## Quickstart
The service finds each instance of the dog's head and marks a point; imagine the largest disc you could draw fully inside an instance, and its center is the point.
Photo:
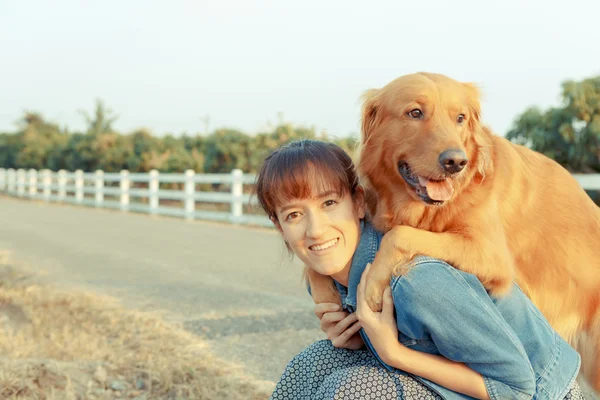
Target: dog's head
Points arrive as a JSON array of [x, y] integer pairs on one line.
[[423, 132]]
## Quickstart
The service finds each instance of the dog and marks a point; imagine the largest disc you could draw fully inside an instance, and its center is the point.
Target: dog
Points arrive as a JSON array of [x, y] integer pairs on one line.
[[446, 187]]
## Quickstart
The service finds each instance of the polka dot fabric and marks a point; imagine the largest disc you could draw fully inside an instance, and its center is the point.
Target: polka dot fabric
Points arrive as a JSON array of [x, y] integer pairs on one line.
[[323, 372], [575, 393]]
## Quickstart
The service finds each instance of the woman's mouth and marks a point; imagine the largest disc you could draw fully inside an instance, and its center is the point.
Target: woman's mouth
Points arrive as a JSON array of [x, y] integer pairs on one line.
[[324, 246]]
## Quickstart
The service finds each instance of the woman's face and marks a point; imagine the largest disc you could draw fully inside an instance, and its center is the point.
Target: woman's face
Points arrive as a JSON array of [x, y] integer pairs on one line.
[[323, 230]]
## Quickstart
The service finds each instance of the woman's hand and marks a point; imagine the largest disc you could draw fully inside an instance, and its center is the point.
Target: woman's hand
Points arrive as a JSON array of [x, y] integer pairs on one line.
[[341, 328], [380, 327]]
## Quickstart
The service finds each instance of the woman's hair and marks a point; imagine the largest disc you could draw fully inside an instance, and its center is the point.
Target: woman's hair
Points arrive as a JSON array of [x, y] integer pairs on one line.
[[303, 168]]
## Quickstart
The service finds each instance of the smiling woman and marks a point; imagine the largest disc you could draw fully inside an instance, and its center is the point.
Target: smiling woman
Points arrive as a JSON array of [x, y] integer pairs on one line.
[[311, 194], [309, 189]]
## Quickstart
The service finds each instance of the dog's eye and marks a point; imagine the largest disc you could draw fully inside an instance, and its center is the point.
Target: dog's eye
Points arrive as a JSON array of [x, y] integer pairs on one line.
[[461, 118], [416, 113]]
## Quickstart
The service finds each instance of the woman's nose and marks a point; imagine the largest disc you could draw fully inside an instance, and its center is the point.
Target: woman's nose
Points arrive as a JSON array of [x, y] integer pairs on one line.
[[316, 226]]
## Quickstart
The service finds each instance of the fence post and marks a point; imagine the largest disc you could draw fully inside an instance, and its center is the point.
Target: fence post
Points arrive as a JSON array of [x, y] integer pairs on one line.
[[124, 184], [79, 186], [236, 194], [153, 191], [99, 185], [62, 185], [2, 179], [12, 181], [190, 193], [46, 183], [20, 182], [32, 183]]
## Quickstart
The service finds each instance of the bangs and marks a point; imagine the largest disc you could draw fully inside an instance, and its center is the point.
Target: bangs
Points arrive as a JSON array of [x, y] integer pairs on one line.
[[305, 172], [303, 182]]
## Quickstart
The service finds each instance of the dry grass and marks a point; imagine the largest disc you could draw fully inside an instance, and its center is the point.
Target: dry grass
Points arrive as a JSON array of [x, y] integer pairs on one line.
[[69, 345]]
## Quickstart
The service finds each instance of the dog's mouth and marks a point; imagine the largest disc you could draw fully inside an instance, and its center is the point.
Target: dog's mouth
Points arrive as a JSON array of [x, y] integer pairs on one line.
[[430, 190]]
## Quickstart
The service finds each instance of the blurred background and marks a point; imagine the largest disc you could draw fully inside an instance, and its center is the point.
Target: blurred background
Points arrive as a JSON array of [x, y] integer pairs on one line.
[[211, 87]]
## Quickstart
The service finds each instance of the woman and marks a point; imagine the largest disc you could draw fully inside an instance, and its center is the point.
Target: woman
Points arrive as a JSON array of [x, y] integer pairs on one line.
[[447, 337]]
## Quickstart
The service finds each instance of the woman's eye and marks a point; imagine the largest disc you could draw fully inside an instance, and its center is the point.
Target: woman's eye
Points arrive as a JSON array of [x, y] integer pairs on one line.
[[329, 203], [460, 119], [416, 113], [293, 215]]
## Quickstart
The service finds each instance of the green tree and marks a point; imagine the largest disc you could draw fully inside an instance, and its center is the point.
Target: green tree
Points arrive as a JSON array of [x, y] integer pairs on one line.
[[265, 143], [10, 145], [227, 149], [40, 144], [79, 153], [147, 152], [37, 138], [113, 151], [569, 134], [101, 121]]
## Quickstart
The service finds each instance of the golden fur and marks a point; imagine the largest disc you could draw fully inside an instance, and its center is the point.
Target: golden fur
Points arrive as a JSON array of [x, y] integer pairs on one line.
[[514, 213]]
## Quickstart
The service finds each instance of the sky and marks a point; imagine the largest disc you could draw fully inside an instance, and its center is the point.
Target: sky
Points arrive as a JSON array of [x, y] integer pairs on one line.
[[166, 65]]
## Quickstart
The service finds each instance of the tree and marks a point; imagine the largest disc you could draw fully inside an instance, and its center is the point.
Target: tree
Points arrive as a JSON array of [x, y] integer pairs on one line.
[[10, 145], [79, 153], [40, 144], [582, 103], [37, 138], [102, 120], [112, 151], [227, 149], [569, 134], [147, 152]]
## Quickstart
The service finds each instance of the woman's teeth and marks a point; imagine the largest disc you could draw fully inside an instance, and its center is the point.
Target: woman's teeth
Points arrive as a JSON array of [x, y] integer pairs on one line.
[[325, 245]]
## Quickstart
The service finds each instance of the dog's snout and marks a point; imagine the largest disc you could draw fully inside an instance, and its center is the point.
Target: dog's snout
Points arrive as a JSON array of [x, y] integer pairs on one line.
[[453, 161]]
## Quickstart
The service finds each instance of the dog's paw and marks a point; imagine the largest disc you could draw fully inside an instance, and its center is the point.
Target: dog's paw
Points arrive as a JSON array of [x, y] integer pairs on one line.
[[374, 293], [499, 287]]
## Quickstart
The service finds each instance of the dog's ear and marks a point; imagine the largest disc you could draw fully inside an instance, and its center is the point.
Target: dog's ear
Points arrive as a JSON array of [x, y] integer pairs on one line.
[[371, 200], [369, 113], [481, 135], [474, 96]]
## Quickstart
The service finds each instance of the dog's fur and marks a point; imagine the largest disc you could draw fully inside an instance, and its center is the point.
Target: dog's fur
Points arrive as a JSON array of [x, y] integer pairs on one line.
[[514, 213]]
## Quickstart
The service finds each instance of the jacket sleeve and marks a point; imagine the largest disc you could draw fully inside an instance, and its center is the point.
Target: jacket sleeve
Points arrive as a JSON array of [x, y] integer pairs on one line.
[[437, 302]]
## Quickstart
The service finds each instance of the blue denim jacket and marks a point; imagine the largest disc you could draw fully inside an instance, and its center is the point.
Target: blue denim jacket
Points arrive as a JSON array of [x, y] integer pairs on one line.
[[441, 310]]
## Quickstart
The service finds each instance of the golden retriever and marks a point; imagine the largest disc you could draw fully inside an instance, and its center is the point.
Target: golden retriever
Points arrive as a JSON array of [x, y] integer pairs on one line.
[[448, 188]]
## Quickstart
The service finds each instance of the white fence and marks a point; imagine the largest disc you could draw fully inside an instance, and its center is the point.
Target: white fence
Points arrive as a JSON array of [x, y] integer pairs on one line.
[[72, 187], [90, 189]]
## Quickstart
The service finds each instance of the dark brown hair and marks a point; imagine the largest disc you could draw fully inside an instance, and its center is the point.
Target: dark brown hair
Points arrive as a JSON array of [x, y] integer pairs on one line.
[[290, 172]]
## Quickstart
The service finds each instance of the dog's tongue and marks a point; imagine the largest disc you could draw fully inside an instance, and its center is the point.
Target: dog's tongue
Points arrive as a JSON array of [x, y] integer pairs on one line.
[[440, 191]]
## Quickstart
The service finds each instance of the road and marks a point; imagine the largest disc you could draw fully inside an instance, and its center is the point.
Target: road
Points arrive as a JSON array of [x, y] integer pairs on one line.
[[233, 286]]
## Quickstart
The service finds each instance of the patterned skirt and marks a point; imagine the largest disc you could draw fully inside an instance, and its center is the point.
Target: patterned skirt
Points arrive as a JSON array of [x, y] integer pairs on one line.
[[323, 372]]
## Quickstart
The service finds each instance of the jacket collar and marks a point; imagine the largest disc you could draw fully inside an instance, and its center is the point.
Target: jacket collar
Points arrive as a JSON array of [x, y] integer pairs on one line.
[[365, 253]]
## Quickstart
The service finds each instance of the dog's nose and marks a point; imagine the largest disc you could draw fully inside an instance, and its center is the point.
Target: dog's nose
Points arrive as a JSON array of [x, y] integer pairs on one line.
[[453, 161]]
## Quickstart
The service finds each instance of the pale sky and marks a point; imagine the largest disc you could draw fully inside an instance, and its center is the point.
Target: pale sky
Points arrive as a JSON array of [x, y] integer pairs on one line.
[[164, 65]]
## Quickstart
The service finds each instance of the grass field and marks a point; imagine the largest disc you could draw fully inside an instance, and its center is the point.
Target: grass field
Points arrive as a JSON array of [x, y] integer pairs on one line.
[[56, 344]]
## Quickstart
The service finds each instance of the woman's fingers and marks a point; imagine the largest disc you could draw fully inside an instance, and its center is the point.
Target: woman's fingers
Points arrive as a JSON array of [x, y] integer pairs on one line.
[[343, 339], [334, 316], [330, 319], [362, 309], [388, 304], [323, 308], [346, 322], [351, 331]]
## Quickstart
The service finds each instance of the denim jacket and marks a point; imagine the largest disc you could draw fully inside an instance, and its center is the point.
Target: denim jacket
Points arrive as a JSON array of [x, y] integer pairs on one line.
[[441, 310]]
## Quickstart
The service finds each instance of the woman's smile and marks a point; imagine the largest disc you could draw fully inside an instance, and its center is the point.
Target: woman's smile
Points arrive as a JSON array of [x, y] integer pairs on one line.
[[321, 248]]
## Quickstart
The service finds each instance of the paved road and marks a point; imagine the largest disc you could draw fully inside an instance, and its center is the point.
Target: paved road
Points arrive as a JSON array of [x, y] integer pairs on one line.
[[234, 286]]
